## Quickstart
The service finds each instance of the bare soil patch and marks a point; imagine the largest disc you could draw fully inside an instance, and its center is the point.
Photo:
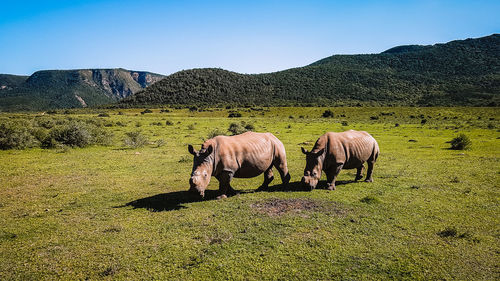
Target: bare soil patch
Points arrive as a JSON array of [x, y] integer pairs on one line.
[[301, 206]]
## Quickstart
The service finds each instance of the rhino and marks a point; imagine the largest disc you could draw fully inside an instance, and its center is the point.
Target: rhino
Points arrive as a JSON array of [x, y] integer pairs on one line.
[[242, 156], [333, 152]]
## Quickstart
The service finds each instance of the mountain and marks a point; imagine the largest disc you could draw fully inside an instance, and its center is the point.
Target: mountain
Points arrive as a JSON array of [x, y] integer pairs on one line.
[[50, 89], [461, 72]]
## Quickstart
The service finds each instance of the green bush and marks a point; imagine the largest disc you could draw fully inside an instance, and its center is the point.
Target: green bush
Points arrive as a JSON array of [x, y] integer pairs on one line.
[[461, 142], [76, 134], [236, 129], [15, 136], [135, 139], [328, 113], [46, 123], [249, 127], [215, 132], [234, 115], [72, 135]]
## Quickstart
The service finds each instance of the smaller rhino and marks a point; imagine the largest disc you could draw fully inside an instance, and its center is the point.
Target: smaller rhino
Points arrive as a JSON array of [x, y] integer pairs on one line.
[[242, 156], [333, 152]]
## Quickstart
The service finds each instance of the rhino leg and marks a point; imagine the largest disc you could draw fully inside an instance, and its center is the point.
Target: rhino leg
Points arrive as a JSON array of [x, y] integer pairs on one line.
[[331, 176], [359, 174], [280, 165], [225, 188], [268, 177], [370, 171]]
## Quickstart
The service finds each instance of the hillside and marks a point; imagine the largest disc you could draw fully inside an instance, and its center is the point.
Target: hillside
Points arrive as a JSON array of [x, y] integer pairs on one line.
[[49, 89], [462, 72]]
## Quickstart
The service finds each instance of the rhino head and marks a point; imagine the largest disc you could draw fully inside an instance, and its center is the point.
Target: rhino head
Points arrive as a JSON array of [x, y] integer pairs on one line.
[[314, 165], [203, 164]]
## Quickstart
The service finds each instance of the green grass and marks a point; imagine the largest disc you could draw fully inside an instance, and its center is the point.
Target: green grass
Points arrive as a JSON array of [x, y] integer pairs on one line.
[[120, 213]]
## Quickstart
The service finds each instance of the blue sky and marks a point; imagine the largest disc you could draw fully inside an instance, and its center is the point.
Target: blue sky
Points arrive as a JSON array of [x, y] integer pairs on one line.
[[243, 36]]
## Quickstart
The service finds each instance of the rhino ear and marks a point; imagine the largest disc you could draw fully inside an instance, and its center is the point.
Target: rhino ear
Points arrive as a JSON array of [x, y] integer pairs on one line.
[[304, 150], [209, 150], [191, 150]]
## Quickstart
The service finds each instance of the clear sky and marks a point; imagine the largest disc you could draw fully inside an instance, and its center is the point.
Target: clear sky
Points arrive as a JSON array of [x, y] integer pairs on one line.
[[242, 36]]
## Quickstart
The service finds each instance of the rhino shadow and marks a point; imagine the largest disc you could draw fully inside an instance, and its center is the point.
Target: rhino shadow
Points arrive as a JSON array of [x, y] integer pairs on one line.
[[170, 201], [175, 200], [297, 186]]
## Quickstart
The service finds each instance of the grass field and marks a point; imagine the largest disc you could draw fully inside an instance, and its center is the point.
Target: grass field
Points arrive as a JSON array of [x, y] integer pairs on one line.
[[112, 212]]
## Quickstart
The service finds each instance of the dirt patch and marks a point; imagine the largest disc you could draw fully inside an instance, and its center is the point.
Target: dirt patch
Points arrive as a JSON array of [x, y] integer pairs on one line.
[[301, 206]]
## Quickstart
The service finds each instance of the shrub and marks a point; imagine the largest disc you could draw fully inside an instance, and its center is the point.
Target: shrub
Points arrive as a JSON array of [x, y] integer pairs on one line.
[[234, 115], [423, 121], [249, 127], [103, 115], [73, 134], [215, 132], [193, 108], [15, 136], [40, 133], [169, 123], [146, 111], [461, 142], [374, 117], [46, 123], [76, 134], [344, 123], [135, 139], [190, 127], [328, 113], [236, 129]]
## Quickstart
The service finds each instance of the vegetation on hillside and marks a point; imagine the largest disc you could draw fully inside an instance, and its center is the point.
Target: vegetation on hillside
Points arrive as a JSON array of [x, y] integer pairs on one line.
[[465, 72], [52, 89]]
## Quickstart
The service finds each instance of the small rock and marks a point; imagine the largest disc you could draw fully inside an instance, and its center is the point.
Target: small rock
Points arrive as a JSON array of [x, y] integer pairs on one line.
[[137, 153]]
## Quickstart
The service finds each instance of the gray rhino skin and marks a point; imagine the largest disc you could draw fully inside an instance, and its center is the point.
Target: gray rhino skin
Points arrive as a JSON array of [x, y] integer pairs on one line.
[[242, 156], [333, 152]]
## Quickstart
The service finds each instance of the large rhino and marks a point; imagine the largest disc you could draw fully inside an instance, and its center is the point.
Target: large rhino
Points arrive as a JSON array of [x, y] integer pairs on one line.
[[242, 156], [333, 152]]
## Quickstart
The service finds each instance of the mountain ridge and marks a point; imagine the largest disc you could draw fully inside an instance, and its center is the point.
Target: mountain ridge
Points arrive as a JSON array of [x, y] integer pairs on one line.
[[52, 89], [460, 72]]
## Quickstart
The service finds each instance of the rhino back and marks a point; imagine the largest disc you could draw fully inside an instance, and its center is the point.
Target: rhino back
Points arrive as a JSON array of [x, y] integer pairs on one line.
[[352, 148], [246, 155]]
